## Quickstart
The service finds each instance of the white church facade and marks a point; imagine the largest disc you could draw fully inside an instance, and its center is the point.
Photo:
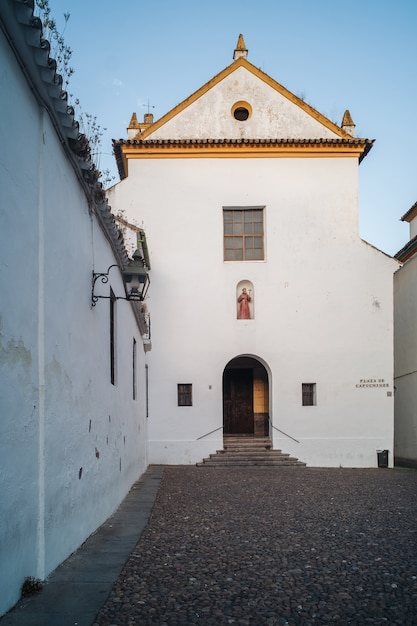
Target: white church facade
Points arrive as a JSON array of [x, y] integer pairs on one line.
[[269, 314]]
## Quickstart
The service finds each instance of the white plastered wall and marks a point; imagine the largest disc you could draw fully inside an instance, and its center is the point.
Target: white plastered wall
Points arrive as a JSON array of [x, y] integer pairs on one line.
[[413, 228], [323, 302], [405, 342], [71, 443]]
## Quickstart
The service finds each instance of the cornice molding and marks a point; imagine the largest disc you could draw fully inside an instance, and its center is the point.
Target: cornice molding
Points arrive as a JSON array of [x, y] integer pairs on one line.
[[237, 148]]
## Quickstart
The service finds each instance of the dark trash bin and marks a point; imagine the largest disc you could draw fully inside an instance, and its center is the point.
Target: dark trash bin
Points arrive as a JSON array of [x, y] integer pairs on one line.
[[382, 458]]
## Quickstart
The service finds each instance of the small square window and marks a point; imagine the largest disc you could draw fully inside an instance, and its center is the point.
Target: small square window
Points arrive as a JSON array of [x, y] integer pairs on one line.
[[309, 394], [185, 394]]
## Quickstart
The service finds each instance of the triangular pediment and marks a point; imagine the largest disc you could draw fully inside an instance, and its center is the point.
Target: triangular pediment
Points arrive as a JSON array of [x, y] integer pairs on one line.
[[272, 111]]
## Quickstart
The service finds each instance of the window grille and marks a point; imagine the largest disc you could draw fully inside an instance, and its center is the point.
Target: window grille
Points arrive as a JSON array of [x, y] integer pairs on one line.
[[309, 394], [185, 397], [243, 234]]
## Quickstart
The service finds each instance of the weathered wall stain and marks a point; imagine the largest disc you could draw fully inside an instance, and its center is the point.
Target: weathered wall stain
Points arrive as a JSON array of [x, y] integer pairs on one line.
[[14, 353]]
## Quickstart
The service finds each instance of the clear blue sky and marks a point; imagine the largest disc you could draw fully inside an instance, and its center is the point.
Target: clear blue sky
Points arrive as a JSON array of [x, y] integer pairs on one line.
[[359, 55]]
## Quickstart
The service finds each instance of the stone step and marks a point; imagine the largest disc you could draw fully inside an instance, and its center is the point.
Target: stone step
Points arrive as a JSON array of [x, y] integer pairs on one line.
[[247, 449], [243, 437], [261, 454], [252, 457], [247, 442], [239, 457], [250, 463]]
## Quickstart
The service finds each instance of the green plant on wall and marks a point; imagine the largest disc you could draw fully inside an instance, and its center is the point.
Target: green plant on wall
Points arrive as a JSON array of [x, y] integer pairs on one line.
[[91, 132]]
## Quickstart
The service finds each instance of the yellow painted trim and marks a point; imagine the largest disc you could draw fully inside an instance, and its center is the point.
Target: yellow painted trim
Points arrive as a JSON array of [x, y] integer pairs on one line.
[[262, 76], [242, 104], [196, 151]]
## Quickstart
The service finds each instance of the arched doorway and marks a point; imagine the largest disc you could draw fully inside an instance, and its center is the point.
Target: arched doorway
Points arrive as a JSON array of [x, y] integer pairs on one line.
[[245, 397]]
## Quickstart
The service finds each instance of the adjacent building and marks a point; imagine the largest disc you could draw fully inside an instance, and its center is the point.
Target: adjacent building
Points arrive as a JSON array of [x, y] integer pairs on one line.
[[405, 347]]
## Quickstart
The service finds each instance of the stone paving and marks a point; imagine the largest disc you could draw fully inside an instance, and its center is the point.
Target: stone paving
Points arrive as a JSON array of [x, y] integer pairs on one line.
[[255, 547]]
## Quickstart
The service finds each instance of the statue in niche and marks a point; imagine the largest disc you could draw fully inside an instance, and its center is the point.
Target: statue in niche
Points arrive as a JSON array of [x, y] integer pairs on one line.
[[243, 310]]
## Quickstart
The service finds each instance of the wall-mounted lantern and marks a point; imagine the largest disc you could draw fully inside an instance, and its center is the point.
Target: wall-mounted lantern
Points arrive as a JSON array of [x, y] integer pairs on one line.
[[135, 278]]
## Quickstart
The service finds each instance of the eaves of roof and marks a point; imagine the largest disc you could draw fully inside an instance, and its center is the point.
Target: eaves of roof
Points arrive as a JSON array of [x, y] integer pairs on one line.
[[410, 214], [124, 149], [24, 33], [409, 250]]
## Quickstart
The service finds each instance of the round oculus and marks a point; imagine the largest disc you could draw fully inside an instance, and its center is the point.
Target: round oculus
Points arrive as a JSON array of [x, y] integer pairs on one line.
[[241, 111]]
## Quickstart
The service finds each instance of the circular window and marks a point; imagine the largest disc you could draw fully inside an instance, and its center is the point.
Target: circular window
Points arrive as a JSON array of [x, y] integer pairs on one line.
[[241, 111], [241, 114]]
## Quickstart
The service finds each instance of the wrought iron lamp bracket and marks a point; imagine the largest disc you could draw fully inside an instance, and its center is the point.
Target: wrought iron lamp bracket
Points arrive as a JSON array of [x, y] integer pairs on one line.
[[104, 278], [135, 280]]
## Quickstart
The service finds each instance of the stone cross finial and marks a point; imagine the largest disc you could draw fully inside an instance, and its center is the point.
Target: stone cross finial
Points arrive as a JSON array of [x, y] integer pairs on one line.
[[133, 121], [241, 51], [347, 123]]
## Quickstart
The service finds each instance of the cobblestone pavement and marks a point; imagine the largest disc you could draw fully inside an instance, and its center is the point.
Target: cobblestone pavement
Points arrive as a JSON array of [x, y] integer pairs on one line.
[[255, 547]]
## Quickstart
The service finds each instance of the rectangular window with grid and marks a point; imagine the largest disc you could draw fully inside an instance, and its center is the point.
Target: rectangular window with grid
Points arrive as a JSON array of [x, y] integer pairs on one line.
[[243, 229], [309, 394], [185, 396]]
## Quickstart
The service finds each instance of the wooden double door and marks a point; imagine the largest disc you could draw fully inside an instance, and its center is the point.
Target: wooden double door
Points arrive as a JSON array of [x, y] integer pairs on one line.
[[238, 411]]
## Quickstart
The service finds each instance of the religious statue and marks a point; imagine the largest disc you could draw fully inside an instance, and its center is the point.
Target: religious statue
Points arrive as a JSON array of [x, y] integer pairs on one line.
[[243, 312]]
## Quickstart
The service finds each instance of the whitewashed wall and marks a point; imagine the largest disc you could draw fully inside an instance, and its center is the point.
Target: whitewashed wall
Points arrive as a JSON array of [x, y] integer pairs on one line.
[[413, 228], [323, 303], [405, 342], [59, 412]]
